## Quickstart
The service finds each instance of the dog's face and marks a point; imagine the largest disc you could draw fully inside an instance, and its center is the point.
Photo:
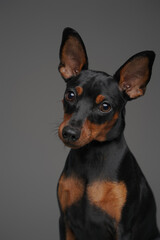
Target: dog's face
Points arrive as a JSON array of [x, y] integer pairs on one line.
[[94, 101]]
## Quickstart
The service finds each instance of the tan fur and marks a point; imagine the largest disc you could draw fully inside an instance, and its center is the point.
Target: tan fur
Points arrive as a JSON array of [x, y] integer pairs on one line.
[[109, 196], [69, 234], [79, 90], [90, 131], [99, 99], [70, 191]]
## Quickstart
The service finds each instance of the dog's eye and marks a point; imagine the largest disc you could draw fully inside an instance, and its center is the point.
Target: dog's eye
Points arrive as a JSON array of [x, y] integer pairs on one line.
[[70, 96], [105, 107]]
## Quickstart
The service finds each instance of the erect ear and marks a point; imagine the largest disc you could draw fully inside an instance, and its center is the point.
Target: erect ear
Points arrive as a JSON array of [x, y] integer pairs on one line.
[[134, 75], [73, 56]]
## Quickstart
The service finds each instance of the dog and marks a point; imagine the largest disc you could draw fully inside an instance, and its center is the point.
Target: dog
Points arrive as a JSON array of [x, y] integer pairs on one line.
[[102, 192]]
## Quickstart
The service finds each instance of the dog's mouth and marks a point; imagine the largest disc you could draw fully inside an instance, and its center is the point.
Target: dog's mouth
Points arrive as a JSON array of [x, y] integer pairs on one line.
[[78, 137]]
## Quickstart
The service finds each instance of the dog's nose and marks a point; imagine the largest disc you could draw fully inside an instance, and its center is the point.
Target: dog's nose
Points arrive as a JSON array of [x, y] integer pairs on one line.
[[70, 134]]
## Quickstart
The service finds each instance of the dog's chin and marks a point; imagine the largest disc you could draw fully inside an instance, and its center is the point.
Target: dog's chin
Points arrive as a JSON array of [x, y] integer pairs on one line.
[[74, 145], [70, 145]]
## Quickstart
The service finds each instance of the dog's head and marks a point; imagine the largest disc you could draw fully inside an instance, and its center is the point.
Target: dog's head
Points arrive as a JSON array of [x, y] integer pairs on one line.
[[94, 101]]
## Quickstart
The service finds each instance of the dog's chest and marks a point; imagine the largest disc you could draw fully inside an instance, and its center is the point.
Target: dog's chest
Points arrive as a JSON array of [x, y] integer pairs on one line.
[[108, 196]]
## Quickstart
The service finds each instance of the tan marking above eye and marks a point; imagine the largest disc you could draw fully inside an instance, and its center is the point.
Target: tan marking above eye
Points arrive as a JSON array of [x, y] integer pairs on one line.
[[70, 191], [109, 196], [100, 99], [79, 90]]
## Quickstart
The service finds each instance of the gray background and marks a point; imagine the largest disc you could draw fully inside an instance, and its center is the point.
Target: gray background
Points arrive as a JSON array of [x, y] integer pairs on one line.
[[31, 89]]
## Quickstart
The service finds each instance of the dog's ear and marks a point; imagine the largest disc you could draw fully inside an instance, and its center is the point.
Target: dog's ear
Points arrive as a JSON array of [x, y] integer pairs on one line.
[[134, 75], [73, 56]]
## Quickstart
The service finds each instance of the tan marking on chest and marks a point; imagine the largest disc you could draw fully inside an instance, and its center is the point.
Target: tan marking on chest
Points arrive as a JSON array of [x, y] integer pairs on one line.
[[69, 234], [109, 196], [70, 191]]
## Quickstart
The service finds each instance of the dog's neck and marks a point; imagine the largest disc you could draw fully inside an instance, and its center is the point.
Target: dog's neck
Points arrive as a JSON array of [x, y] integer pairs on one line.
[[98, 156]]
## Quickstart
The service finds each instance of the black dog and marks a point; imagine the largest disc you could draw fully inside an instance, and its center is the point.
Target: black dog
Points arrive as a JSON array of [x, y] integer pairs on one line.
[[102, 192]]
